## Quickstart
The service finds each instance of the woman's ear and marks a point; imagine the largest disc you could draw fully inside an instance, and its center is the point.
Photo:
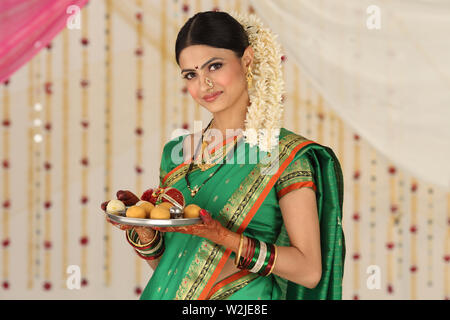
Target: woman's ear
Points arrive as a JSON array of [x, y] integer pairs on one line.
[[247, 57]]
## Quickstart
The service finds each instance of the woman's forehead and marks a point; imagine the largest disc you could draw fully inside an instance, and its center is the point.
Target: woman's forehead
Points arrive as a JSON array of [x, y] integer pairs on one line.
[[196, 55]]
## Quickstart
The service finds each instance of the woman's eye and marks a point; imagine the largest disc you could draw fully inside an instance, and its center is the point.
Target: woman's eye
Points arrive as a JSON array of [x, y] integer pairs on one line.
[[216, 66], [213, 67], [189, 76]]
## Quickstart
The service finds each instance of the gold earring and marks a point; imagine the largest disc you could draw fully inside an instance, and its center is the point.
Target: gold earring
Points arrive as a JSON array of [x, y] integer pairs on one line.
[[249, 77]]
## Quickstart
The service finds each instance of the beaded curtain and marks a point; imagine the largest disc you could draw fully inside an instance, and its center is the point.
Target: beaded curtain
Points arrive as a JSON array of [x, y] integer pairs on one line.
[[89, 115]]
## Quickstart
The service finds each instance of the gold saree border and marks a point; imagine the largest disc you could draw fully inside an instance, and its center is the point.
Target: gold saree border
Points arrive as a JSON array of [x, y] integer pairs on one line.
[[239, 210], [231, 284]]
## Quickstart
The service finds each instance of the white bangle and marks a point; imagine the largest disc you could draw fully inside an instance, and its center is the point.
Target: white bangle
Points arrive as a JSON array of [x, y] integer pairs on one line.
[[261, 257]]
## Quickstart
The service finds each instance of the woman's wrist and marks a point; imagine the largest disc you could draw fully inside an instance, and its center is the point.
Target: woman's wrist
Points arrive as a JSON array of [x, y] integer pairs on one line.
[[228, 239], [145, 234]]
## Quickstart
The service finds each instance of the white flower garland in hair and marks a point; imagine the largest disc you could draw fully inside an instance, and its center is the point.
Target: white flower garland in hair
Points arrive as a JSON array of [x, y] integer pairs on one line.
[[263, 121]]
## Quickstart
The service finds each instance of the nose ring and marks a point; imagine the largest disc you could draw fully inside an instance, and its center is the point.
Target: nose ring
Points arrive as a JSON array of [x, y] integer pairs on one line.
[[209, 83]]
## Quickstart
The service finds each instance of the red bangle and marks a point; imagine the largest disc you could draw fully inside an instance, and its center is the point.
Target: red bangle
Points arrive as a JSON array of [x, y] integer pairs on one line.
[[151, 257], [251, 253]]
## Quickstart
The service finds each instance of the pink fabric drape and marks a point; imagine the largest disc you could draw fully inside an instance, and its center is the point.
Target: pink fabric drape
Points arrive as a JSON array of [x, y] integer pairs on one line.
[[27, 26]]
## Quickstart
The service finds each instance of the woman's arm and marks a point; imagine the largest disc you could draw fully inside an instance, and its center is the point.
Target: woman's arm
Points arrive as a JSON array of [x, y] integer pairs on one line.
[[301, 262]]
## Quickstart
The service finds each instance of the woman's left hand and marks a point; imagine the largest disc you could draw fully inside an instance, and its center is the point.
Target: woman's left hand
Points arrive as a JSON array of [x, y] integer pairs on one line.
[[209, 228]]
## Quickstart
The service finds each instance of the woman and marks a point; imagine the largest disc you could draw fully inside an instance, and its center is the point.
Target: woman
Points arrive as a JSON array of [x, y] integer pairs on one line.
[[274, 235]]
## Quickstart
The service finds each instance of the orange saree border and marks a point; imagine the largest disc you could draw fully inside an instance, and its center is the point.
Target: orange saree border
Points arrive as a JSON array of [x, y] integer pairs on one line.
[[205, 293], [296, 185], [235, 276]]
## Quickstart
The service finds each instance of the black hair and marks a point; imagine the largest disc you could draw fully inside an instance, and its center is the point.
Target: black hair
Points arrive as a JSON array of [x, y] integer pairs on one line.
[[215, 29]]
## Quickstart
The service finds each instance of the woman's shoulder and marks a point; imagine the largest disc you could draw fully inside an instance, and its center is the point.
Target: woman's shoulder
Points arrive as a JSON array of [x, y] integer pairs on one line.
[[287, 135]]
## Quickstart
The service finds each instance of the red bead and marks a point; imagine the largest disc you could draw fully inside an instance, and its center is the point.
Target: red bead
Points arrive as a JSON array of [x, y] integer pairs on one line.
[[139, 94], [47, 286], [6, 243], [6, 204], [251, 10], [356, 137], [283, 58], [321, 116], [84, 83], [84, 41], [390, 288], [138, 16], [85, 124], [6, 123], [394, 208], [5, 285], [85, 162], [413, 229], [356, 256], [49, 46], [139, 170], [216, 9], [6, 82], [47, 165], [392, 170], [47, 244], [447, 258], [138, 291], [356, 175], [84, 199], [185, 126], [185, 8], [356, 216], [84, 241], [355, 297], [139, 131], [47, 204], [48, 88], [139, 52], [5, 164], [414, 187], [84, 282], [390, 245], [413, 269], [48, 126]]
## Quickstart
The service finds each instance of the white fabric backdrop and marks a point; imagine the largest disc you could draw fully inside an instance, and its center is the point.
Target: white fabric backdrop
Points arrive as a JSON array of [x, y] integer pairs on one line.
[[392, 84]]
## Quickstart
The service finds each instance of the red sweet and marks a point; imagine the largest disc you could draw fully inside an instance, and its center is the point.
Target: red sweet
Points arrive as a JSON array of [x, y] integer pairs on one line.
[[172, 195], [148, 196], [127, 197]]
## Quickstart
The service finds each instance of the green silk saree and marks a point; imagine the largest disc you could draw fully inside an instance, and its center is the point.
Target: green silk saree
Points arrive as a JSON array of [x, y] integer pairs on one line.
[[243, 196]]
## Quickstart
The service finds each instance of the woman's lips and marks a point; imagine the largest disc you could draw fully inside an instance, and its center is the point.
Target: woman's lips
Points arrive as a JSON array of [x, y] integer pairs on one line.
[[212, 97]]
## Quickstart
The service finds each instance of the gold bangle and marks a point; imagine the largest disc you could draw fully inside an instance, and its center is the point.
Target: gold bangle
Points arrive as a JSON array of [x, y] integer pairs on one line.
[[274, 260], [238, 256], [138, 245]]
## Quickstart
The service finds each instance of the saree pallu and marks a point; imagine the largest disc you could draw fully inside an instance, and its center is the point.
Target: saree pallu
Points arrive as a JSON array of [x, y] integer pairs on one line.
[[243, 196]]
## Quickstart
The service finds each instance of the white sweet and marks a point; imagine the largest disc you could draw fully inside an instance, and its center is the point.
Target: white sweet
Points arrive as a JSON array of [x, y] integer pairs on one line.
[[114, 206]]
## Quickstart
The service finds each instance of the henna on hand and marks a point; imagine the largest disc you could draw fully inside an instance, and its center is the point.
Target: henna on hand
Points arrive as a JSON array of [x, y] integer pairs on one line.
[[210, 229]]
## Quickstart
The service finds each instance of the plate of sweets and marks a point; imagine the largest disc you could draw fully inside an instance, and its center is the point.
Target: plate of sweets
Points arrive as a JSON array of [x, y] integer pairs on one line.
[[160, 207]]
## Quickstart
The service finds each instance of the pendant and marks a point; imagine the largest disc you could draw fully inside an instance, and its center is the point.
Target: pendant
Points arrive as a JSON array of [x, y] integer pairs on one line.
[[194, 192]]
